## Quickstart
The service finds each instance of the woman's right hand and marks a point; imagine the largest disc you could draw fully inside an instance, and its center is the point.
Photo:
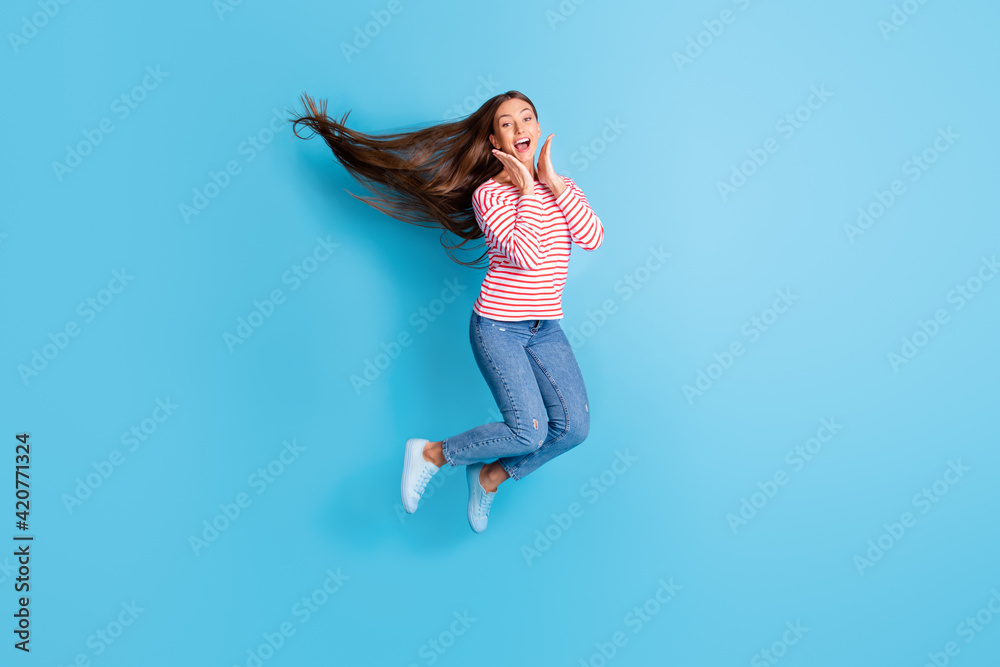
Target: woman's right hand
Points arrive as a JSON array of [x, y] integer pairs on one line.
[[517, 172]]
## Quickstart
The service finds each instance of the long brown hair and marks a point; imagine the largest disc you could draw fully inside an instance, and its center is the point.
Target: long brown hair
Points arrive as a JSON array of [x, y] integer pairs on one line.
[[425, 175]]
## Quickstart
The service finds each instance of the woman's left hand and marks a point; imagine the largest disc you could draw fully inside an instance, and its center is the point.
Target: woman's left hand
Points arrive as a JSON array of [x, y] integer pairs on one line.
[[546, 174]]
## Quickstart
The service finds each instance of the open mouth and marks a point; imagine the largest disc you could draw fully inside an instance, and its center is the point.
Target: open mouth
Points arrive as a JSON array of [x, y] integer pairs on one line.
[[522, 145]]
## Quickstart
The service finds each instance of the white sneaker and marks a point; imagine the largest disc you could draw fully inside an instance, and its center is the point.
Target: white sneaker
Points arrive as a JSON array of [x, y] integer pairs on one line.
[[417, 471], [479, 500]]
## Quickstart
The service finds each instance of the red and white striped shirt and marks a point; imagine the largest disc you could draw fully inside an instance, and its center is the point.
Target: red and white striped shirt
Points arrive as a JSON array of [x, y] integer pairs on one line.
[[529, 240]]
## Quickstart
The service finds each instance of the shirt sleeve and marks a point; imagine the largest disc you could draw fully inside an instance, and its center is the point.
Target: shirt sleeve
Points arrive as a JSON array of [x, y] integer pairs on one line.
[[512, 227], [585, 227]]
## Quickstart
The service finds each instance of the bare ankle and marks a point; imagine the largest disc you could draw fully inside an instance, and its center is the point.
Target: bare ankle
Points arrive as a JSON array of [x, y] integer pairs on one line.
[[433, 453], [491, 476]]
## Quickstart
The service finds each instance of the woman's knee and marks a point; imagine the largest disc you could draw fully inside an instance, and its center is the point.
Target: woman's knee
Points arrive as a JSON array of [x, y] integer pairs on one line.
[[579, 424], [530, 434]]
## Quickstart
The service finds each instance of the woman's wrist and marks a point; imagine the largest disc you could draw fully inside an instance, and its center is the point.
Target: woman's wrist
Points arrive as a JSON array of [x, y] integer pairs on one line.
[[557, 185]]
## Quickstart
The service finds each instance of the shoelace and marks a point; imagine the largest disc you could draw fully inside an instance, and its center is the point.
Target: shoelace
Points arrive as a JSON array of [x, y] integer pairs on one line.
[[425, 476], [484, 504]]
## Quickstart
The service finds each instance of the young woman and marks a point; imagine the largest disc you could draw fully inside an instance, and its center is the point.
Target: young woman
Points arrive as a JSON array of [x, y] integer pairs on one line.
[[476, 177]]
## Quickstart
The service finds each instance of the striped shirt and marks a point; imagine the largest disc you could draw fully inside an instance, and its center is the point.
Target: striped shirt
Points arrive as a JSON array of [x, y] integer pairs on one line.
[[529, 240]]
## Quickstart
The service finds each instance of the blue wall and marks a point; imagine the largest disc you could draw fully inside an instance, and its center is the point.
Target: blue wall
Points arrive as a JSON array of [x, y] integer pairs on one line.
[[788, 337]]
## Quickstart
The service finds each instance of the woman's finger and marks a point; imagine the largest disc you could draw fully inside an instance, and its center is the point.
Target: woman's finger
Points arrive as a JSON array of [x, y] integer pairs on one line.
[[544, 155], [545, 146], [507, 160], [503, 157], [518, 173]]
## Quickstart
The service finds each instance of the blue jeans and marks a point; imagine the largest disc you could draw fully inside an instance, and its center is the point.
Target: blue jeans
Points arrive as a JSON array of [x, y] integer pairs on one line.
[[536, 381]]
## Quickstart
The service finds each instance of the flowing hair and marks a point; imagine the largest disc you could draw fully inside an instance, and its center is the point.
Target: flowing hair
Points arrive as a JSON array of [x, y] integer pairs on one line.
[[425, 175]]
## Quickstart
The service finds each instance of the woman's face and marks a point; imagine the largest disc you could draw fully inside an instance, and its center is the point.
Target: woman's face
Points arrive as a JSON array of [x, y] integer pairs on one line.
[[516, 131]]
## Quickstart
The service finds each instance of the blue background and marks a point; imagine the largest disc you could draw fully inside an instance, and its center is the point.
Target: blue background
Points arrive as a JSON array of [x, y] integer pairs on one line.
[[648, 137]]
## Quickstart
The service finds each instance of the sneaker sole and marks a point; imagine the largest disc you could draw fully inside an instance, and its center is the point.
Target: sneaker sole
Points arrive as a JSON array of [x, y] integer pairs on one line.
[[407, 458], [471, 504]]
